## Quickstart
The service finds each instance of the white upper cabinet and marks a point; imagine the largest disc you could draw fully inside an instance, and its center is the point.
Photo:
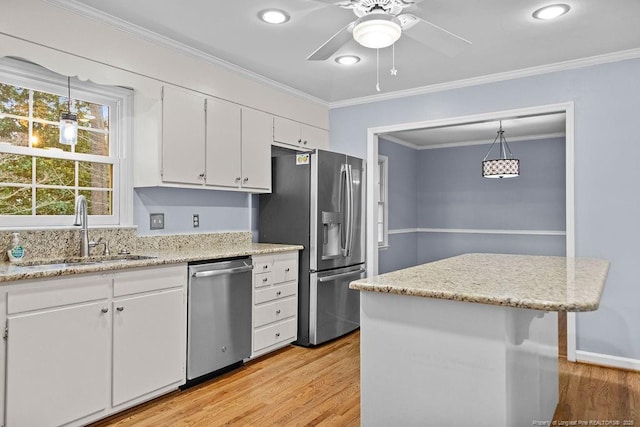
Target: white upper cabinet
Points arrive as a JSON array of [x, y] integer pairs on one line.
[[256, 150], [183, 136], [212, 143], [223, 144], [290, 132], [238, 147]]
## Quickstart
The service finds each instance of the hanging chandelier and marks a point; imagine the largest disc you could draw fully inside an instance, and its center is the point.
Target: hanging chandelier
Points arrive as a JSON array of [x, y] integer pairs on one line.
[[504, 166]]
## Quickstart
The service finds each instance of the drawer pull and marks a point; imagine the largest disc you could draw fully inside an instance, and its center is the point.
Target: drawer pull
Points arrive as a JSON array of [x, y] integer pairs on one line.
[[264, 280], [120, 308], [265, 266], [277, 311], [105, 310], [278, 293], [286, 270], [277, 334]]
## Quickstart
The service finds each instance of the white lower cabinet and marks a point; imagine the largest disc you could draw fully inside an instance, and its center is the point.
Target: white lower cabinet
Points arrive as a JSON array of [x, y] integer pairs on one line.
[[83, 347], [275, 302]]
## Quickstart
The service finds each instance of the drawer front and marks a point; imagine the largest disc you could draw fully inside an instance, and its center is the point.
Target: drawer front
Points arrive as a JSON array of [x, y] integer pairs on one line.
[[274, 334], [274, 311], [146, 279], [262, 279], [262, 264], [59, 291], [275, 292], [285, 269]]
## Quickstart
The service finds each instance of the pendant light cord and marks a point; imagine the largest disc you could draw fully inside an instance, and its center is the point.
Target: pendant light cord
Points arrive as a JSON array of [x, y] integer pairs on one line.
[[378, 70], [69, 94]]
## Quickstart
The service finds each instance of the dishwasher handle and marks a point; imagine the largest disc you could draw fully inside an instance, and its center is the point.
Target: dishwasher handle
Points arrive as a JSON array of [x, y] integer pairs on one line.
[[210, 273]]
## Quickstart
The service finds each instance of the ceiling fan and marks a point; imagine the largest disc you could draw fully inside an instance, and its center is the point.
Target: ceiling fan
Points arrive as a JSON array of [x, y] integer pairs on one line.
[[380, 23]]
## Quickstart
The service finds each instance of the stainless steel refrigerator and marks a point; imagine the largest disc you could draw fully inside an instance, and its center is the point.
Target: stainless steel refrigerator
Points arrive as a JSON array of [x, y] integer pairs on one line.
[[317, 201]]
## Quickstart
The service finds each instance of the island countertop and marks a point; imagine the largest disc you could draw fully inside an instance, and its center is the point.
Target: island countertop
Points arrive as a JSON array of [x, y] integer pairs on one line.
[[535, 282]]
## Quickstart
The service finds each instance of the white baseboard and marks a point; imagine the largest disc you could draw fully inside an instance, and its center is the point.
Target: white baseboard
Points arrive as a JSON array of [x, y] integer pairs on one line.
[[608, 360]]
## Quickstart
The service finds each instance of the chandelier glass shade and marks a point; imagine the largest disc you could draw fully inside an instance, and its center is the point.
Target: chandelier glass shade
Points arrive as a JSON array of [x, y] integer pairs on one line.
[[504, 166], [68, 122], [377, 30]]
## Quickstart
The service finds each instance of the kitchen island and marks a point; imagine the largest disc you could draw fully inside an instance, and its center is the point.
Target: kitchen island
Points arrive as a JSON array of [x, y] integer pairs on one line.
[[469, 340]]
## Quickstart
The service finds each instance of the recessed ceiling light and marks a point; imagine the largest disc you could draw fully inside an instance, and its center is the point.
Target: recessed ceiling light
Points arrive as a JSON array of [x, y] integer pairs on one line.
[[551, 11], [274, 16], [347, 59]]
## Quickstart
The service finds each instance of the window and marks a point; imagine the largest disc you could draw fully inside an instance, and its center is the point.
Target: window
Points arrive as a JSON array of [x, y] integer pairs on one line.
[[40, 178], [382, 176]]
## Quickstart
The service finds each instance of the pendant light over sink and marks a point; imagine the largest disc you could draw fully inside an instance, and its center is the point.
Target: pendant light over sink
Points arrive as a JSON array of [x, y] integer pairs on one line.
[[504, 166], [68, 122]]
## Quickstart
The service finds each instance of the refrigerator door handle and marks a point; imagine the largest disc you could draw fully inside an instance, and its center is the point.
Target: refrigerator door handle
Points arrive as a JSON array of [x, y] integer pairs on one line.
[[341, 275], [344, 202], [349, 212]]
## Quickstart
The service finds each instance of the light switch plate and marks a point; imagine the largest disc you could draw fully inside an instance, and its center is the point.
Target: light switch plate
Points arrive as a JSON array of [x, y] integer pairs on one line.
[[156, 221]]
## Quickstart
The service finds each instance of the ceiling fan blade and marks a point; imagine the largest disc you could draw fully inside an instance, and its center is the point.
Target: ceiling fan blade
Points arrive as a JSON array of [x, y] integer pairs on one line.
[[341, 3], [432, 35], [330, 47]]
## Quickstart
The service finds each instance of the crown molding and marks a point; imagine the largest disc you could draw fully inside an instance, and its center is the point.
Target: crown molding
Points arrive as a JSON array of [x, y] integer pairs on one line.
[[468, 143], [120, 24], [492, 78]]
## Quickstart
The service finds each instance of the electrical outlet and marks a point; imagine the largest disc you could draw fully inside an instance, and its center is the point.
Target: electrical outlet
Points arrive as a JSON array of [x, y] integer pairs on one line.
[[196, 220], [156, 221]]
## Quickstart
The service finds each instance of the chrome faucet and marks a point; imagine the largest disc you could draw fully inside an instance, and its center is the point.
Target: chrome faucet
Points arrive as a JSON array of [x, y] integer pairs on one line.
[[81, 220]]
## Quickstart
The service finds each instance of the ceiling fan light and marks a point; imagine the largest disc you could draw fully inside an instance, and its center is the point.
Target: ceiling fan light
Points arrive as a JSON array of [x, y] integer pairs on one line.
[[377, 31], [551, 11], [273, 16]]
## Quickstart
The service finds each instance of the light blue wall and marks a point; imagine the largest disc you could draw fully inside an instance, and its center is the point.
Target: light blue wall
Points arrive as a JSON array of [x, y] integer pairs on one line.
[[402, 170], [453, 194], [607, 176], [218, 210]]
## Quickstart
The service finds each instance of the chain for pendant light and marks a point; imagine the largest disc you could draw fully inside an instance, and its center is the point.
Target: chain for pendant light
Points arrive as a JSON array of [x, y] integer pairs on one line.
[[394, 70], [378, 70]]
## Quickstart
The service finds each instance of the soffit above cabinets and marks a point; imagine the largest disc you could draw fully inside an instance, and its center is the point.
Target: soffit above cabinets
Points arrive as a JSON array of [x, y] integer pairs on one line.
[[505, 37]]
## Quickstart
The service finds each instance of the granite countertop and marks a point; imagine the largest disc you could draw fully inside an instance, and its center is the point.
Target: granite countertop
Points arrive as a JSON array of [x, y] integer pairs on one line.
[[33, 270], [534, 282]]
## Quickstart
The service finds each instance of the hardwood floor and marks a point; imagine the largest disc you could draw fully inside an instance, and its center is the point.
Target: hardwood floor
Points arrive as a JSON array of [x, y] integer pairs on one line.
[[295, 386], [320, 386]]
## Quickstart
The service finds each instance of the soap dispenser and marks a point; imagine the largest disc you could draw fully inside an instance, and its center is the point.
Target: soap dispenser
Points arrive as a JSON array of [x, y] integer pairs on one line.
[[16, 251]]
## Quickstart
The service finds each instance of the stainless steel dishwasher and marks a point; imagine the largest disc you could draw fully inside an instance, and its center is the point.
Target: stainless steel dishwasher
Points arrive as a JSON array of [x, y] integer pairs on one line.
[[219, 316]]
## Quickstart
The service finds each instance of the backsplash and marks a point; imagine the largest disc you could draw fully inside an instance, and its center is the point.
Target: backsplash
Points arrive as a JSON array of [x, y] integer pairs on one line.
[[51, 243]]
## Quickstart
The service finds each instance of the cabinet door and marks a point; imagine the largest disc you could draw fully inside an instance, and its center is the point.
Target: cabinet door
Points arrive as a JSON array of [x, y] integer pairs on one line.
[[183, 137], [256, 149], [57, 364], [313, 137], [223, 144], [286, 131], [149, 343]]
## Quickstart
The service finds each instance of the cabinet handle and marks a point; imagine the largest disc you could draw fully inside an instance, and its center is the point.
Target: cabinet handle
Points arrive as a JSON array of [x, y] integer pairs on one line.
[[277, 334], [305, 142], [299, 140], [286, 270], [264, 280], [120, 308], [202, 175], [245, 180], [278, 293], [277, 311], [104, 310], [265, 266], [238, 179]]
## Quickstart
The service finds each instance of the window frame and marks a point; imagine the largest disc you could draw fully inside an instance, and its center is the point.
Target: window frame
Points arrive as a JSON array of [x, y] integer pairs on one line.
[[119, 100], [383, 183]]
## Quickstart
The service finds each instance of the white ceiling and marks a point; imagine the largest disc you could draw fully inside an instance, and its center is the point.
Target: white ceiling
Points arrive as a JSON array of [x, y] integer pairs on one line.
[[515, 129], [505, 38]]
